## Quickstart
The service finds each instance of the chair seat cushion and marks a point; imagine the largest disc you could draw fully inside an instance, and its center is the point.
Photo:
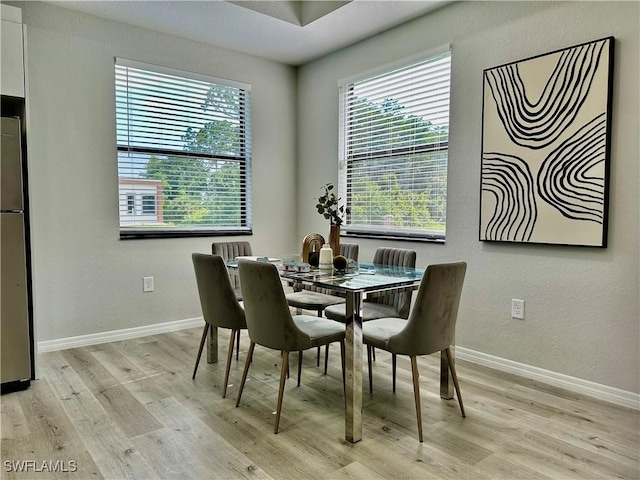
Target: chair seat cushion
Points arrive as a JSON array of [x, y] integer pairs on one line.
[[320, 330], [378, 332], [370, 311], [309, 300]]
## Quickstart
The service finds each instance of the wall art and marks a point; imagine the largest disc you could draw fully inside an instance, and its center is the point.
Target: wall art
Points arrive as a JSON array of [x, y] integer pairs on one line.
[[546, 136]]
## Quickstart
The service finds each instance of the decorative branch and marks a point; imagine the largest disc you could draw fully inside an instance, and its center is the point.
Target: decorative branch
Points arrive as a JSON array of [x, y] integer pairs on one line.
[[329, 206]]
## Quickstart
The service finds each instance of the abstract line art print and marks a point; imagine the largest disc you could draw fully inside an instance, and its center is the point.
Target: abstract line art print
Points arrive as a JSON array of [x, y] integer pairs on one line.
[[546, 140]]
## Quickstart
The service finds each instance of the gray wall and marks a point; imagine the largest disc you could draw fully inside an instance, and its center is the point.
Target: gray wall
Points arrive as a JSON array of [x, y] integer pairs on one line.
[[86, 279], [582, 311]]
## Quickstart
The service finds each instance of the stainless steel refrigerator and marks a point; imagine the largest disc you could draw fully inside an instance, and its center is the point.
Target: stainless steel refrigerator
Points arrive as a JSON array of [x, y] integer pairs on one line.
[[15, 322]]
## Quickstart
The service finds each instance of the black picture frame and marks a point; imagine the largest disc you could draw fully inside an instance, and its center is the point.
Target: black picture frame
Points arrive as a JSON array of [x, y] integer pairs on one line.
[[546, 147]]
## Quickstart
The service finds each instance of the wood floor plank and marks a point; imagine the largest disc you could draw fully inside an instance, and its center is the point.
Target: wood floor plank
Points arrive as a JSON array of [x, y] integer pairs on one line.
[[47, 420], [202, 446], [573, 407], [73, 394], [502, 465], [533, 415], [509, 444], [356, 470], [117, 401], [52, 441], [139, 357], [595, 463], [13, 423], [112, 451], [119, 366], [130, 409]]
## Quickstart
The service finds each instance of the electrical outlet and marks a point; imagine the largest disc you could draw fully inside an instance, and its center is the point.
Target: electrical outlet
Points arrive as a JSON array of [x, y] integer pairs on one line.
[[517, 309], [147, 284]]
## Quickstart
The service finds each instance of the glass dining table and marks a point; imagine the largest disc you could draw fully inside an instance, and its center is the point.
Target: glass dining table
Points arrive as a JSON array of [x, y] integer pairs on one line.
[[363, 280]]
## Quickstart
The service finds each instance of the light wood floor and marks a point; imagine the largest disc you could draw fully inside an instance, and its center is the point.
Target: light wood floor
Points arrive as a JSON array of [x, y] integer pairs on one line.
[[129, 409]]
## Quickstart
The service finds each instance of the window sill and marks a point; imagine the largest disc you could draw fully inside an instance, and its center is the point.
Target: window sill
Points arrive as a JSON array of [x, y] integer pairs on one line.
[[387, 236], [138, 235]]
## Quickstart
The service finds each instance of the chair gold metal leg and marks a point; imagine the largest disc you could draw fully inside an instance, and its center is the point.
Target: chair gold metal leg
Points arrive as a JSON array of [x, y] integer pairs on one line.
[[416, 393], [285, 367], [238, 346], [229, 358], [452, 367], [204, 339], [247, 363], [299, 366], [369, 348], [393, 367]]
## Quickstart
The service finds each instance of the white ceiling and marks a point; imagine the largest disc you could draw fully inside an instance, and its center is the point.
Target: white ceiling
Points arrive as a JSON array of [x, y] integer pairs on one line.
[[292, 32]]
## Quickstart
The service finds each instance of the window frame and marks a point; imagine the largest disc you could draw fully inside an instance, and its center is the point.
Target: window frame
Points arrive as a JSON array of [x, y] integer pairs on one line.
[[148, 203], [345, 161], [131, 204], [244, 161]]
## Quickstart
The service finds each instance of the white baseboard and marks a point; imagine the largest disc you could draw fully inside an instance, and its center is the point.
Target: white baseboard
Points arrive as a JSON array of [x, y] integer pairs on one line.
[[585, 387], [115, 335]]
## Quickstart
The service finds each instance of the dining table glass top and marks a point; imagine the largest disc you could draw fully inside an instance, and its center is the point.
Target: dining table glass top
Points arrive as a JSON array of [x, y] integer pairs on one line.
[[361, 277]]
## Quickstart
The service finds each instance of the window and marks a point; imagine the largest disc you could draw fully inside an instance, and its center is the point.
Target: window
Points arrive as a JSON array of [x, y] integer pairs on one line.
[[394, 131], [184, 153], [149, 204]]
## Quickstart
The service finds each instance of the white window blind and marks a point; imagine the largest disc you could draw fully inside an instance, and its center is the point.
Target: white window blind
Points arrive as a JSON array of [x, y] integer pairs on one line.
[[184, 152], [394, 133]]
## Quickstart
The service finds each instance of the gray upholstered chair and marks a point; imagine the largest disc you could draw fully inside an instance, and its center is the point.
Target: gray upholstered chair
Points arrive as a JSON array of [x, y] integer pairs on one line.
[[271, 324], [392, 305], [220, 307], [430, 328], [229, 251]]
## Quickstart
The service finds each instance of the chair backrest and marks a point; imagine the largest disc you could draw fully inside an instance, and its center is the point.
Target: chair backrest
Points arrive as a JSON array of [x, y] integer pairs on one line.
[[268, 316], [229, 251], [397, 257], [311, 243], [432, 324], [217, 299], [350, 251]]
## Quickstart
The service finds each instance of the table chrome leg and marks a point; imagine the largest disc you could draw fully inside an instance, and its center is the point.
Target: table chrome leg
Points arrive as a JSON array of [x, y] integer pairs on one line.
[[446, 382], [353, 414], [212, 345]]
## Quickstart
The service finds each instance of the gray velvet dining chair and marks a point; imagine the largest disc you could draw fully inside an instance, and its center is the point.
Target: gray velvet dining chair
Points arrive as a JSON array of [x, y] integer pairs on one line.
[[271, 325], [309, 297], [391, 305], [229, 251], [220, 307], [429, 329], [395, 304]]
